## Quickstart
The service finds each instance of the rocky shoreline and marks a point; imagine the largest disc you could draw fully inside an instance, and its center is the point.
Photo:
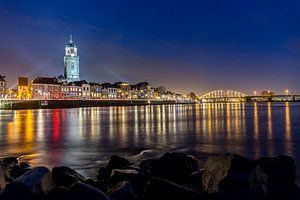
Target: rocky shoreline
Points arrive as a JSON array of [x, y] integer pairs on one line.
[[172, 176]]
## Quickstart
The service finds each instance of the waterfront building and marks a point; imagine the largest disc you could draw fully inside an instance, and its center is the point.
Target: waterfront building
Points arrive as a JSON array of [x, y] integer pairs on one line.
[[76, 90], [96, 89], [23, 88], [70, 91], [12, 93], [71, 62], [45, 88], [142, 90], [123, 90], [3, 86], [109, 91], [86, 90]]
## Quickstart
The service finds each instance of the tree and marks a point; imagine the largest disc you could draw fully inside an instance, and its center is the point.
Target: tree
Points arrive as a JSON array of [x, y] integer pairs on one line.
[[192, 96], [161, 90]]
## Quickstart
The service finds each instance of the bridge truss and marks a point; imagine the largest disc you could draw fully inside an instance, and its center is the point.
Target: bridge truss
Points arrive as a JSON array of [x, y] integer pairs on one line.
[[224, 96]]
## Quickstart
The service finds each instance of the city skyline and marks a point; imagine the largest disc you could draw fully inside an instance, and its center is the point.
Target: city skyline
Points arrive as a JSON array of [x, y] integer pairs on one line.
[[213, 46]]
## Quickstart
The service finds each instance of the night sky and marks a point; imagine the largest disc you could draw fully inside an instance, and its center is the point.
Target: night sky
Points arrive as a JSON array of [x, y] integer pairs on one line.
[[183, 45]]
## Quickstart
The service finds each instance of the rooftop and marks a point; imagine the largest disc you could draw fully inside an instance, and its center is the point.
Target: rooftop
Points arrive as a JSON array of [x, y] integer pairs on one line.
[[2, 78], [45, 80]]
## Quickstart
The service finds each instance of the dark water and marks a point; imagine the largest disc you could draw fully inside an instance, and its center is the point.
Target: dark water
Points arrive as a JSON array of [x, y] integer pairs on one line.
[[84, 138]]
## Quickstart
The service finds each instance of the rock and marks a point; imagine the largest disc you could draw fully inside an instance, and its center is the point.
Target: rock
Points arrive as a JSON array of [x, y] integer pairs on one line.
[[176, 167], [65, 176], [10, 161], [124, 190], [16, 171], [35, 184], [4, 175], [118, 175], [235, 177], [196, 179], [115, 162], [24, 165], [99, 184], [158, 188], [5, 170], [281, 172], [146, 166], [56, 193], [83, 191]]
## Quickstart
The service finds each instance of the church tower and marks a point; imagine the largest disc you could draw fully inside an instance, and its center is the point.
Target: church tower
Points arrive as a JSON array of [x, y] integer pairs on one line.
[[71, 62]]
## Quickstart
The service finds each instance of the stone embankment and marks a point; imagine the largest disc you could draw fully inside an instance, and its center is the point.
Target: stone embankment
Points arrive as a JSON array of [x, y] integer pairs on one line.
[[173, 176]]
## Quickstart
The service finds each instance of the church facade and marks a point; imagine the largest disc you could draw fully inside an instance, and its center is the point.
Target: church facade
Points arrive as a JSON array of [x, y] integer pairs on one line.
[[71, 62]]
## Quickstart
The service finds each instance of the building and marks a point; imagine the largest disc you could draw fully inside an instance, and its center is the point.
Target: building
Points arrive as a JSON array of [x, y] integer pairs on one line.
[[45, 88], [123, 90], [71, 62], [96, 89], [142, 90], [108, 91], [86, 90], [71, 91], [23, 88], [12, 93], [3, 86]]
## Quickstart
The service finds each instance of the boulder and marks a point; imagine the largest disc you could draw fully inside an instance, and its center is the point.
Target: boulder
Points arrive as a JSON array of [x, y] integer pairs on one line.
[[83, 191], [16, 171], [10, 161], [65, 176], [176, 167], [4, 175], [124, 190], [118, 175], [158, 188], [35, 184], [24, 165], [5, 170], [196, 179], [146, 166], [101, 185], [281, 172], [56, 193], [115, 162], [235, 177]]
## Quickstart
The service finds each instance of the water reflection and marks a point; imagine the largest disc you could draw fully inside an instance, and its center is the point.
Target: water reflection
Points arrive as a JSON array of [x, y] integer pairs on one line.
[[80, 137], [288, 135], [270, 130]]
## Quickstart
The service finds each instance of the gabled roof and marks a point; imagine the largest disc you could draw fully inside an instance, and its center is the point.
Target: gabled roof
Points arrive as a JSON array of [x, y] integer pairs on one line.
[[107, 85], [94, 84], [78, 83], [2, 78], [45, 80]]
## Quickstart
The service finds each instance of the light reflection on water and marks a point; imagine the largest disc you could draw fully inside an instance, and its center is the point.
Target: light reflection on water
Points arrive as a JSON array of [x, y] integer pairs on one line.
[[83, 137]]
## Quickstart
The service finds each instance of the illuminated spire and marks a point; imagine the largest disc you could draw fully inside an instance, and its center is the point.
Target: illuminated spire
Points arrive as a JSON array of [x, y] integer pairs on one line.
[[71, 40]]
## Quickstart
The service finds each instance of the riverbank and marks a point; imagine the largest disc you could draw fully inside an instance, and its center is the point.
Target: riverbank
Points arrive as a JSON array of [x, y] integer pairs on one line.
[[51, 104], [172, 176]]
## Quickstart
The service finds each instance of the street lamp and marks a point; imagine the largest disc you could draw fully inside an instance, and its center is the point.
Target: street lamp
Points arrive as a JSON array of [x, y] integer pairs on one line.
[[254, 93]]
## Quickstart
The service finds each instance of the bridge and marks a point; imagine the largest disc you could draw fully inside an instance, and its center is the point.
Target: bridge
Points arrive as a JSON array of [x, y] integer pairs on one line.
[[217, 96], [224, 96]]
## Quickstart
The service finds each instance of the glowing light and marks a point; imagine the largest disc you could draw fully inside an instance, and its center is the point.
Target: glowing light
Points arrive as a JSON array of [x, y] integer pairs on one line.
[[286, 91]]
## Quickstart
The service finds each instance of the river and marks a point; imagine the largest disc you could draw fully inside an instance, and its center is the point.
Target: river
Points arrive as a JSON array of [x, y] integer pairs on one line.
[[85, 138]]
